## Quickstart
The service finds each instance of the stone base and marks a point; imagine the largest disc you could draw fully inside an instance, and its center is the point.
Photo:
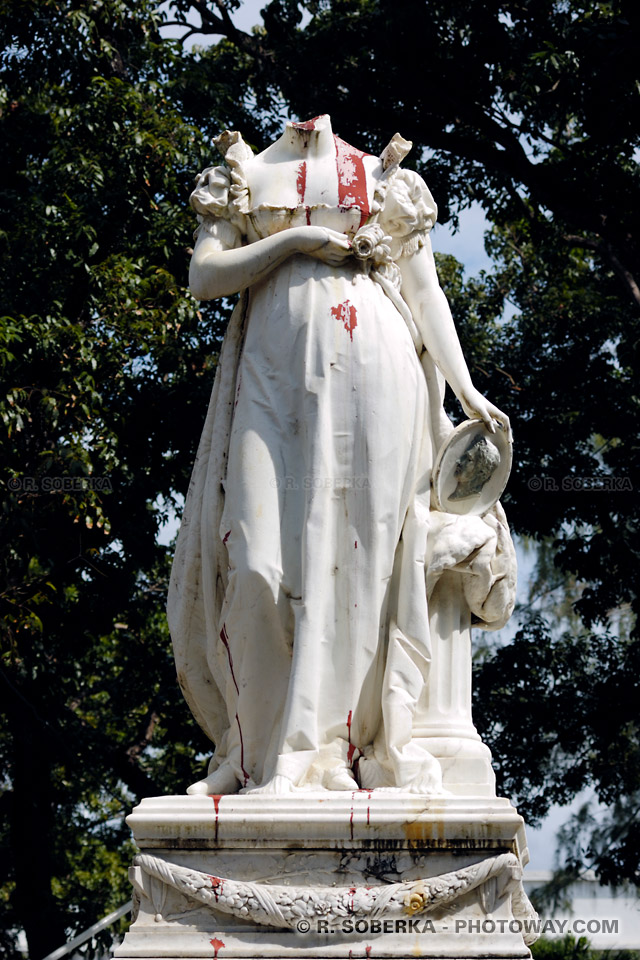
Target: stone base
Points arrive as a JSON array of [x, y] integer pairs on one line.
[[465, 763], [332, 875]]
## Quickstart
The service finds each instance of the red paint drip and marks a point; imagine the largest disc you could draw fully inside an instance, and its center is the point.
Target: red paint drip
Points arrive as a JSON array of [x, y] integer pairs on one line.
[[301, 186], [352, 179], [217, 945], [355, 546], [346, 314], [226, 536], [301, 180], [352, 892], [225, 639], [367, 950], [352, 749], [244, 772], [217, 885], [216, 806]]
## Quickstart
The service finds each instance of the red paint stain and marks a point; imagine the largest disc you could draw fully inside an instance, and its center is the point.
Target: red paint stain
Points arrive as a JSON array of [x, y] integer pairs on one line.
[[225, 639], [352, 893], [244, 772], [301, 180], [216, 806], [353, 793], [355, 546], [367, 950], [352, 179], [217, 945], [217, 885], [226, 536], [301, 186], [306, 124], [352, 748], [346, 314]]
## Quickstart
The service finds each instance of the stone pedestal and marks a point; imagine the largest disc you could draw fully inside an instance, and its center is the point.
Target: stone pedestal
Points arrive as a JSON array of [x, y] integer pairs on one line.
[[342, 875]]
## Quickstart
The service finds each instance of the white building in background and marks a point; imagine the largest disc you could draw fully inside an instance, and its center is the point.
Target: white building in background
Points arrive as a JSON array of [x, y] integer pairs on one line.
[[609, 920]]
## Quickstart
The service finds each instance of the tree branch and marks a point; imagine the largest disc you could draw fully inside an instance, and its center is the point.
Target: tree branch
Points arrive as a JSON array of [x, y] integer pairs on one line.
[[133, 752], [545, 187], [606, 252], [224, 26]]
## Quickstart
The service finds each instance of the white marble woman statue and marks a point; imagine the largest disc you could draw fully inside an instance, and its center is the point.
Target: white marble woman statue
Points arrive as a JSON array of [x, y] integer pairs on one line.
[[298, 607]]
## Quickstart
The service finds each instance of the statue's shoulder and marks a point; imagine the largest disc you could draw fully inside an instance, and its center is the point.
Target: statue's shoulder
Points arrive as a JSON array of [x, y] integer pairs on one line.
[[221, 191]]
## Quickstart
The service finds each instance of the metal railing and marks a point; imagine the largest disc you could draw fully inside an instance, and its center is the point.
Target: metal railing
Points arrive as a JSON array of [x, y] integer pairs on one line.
[[91, 932]]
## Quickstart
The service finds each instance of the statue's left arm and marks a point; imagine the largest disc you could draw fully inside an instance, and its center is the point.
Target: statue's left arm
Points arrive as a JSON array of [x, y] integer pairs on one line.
[[425, 298]]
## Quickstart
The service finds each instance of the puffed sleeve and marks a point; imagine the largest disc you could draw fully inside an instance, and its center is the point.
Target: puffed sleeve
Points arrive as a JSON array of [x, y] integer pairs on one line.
[[217, 212], [408, 214]]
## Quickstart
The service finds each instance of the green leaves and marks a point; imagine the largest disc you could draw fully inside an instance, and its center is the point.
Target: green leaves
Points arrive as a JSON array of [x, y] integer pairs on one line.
[[530, 109], [107, 362], [106, 366]]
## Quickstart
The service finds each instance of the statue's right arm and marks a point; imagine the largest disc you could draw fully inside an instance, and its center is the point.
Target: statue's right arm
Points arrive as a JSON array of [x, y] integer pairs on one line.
[[219, 273]]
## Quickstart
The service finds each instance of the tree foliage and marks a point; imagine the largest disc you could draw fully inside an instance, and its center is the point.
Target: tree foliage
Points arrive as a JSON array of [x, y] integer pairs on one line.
[[570, 948], [107, 365], [528, 107], [562, 715]]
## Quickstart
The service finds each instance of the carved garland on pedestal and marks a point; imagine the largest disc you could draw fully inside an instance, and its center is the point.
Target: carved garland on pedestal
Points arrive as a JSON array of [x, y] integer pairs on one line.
[[290, 906]]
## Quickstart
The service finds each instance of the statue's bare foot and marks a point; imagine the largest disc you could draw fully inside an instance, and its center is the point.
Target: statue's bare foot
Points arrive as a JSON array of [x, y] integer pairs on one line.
[[340, 778], [277, 785], [223, 780]]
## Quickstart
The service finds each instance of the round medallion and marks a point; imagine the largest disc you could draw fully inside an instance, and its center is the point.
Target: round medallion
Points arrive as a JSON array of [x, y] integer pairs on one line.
[[472, 468]]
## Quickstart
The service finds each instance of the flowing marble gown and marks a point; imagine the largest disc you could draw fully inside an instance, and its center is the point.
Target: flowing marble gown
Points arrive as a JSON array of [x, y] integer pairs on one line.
[[298, 606]]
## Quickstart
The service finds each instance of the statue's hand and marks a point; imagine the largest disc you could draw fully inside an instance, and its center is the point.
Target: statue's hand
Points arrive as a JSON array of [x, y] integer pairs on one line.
[[324, 244], [477, 407]]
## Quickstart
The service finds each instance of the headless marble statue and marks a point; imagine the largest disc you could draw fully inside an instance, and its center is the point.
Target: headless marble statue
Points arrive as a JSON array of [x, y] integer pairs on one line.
[[298, 606]]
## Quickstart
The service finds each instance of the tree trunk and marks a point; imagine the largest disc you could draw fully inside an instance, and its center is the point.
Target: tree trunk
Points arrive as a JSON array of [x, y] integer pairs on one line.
[[32, 817]]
